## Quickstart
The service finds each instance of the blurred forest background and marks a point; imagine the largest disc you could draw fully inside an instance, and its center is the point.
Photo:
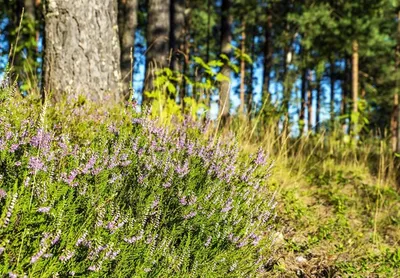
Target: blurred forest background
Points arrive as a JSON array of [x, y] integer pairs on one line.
[[311, 66]]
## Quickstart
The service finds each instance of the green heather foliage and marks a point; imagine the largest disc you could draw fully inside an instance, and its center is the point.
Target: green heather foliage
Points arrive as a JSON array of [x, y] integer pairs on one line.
[[106, 192]]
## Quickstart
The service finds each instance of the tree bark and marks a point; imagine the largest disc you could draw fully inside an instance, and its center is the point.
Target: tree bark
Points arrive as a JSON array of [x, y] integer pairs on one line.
[[242, 67], [303, 92], [309, 103], [354, 84], [395, 121], [177, 33], [226, 49], [127, 23], [250, 86], [345, 91], [82, 52], [332, 102], [318, 108], [157, 35], [268, 52], [208, 30]]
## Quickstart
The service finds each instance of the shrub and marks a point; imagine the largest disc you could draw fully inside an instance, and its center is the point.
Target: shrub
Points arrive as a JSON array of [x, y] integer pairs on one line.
[[86, 190]]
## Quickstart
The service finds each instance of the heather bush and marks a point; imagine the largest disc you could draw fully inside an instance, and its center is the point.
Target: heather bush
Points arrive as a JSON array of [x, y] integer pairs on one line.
[[104, 192]]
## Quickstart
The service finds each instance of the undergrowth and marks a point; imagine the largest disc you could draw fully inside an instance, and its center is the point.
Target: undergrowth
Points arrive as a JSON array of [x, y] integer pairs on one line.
[[106, 192]]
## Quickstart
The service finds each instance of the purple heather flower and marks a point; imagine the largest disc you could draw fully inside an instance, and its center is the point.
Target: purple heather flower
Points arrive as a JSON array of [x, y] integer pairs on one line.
[[67, 256], [10, 210], [12, 275], [82, 239], [167, 184], [2, 250], [261, 158], [89, 165], [14, 147], [35, 164], [208, 242], [228, 206], [44, 209], [190, 215], [3, 193]]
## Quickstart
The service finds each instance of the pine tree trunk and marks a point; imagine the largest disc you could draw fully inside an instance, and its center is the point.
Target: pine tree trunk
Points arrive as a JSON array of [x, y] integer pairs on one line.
[[303, 93], [332, 102], [226, 49], [157, 36], [208, 30], [177, 33], [268, 52], [242, 67], [345, 92], [309, 104], [82, 52], [395, 121], [318, 110], [354, 85], [127, 23], [250, 86]]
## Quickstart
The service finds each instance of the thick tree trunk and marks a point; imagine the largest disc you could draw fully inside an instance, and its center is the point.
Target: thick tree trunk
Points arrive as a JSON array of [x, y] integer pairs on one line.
[[268, 52], [157, 34], [82, 52], [242, 67], [177, 33], [354, 84], [226, 49], [127, 23]]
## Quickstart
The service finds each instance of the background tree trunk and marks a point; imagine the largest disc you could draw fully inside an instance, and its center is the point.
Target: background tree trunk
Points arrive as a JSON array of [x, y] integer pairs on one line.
[[177, 34], [354, 84], [395, 121], [332, 102], [268, 51], [242, 67], [82, 52], [226, 49], [309, 102], [318, 108], [157, 35], [127, 23]]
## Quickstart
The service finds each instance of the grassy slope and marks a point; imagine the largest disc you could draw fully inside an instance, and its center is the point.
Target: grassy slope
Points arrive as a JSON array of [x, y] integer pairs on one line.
[[337, 220]]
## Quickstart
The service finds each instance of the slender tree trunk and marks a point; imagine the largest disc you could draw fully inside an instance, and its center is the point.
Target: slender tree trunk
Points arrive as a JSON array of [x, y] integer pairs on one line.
[[250, 87], [157, 37], [395, 121], [82, 52], [127, 23], [354, 85], [344, 108], [318, 110], [332, 102], [303, 93], [268, 52], [309, 103], [208, 30], [242, 67], [226, 49]]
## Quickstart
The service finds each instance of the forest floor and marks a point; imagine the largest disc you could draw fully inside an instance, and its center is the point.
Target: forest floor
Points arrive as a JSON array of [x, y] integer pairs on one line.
[[337, 223]]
